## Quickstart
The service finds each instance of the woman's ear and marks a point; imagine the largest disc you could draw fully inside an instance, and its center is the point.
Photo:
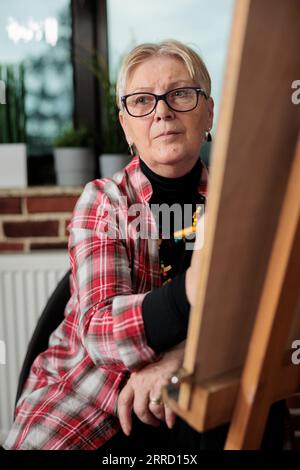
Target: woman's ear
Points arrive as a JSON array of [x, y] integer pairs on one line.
[[124, 125]]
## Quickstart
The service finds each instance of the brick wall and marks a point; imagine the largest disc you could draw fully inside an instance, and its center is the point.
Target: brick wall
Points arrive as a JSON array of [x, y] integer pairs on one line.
[[36, 218]]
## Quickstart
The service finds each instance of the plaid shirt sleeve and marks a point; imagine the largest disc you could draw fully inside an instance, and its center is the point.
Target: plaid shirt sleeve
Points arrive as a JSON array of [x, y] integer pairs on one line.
[[110, 323]]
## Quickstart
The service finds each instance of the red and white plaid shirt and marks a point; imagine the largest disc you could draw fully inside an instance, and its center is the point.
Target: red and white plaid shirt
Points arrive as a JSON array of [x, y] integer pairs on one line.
[[70, 398]]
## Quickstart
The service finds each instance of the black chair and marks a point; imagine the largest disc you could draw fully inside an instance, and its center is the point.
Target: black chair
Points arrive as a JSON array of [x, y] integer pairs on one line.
[[51, 317]]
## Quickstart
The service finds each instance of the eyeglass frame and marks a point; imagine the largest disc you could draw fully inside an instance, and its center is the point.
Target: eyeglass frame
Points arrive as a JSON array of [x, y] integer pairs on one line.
[[163, 97]]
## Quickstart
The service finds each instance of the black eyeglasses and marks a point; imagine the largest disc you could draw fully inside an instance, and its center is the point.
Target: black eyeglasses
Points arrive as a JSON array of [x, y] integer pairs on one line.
[[181, 100]]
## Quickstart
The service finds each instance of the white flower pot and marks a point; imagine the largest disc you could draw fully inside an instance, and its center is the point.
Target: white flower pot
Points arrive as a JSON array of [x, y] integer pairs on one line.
[[13, 166], [110, 164], [74, 166]]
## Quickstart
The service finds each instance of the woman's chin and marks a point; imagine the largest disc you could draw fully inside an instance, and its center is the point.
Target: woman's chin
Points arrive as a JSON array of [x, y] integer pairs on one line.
[[168, 153], [171, 157]]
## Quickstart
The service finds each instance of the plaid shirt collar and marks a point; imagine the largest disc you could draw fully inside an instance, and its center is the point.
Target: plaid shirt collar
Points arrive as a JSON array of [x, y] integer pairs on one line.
[[142, 186]]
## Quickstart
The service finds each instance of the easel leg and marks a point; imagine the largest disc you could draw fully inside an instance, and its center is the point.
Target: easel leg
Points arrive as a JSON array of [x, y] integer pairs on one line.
[[263, 368]]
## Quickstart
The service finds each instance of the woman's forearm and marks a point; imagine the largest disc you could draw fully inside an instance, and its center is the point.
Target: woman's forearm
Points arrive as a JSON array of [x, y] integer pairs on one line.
[[165, 313]]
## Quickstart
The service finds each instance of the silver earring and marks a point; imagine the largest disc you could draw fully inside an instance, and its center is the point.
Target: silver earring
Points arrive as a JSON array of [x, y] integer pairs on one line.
[[208, 136]]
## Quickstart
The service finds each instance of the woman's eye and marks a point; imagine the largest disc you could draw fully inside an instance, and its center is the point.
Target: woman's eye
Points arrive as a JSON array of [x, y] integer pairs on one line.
[[142, 100], [179, 94]]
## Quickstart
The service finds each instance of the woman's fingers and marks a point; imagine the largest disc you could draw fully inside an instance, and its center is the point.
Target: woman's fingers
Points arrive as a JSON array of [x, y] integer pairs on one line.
[[170, 417], [125, 403], [157, 409], [142, 393], [142, 410], [163, 413], [139, 403]]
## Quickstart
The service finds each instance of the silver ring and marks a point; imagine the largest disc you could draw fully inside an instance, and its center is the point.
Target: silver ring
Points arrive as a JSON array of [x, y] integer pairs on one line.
[[155, 401]]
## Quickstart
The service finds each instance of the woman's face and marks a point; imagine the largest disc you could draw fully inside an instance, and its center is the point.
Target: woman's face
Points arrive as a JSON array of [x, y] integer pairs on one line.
[[174, 154]]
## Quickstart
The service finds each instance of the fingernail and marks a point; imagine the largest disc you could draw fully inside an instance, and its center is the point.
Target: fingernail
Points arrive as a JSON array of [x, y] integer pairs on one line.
[[127, 431], [171, 424]]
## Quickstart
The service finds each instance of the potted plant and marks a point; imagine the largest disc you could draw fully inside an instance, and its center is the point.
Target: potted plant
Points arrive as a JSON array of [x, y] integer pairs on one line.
[[73, 157], [114, 150], [13, 153]]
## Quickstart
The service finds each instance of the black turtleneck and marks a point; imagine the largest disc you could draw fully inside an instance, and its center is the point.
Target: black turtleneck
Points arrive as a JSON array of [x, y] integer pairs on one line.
[[171, 190], [166, 309]]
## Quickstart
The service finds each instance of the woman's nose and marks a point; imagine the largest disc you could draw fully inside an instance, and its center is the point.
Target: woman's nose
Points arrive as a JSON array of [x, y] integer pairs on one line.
[[162, 110]]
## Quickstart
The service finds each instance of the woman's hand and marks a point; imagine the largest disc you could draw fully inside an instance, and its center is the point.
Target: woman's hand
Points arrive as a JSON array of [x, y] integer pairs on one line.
[[144, 386], [192, 273]]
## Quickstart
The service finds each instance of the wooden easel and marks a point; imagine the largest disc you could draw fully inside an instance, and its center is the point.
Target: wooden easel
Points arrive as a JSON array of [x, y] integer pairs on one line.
[[238, 354]]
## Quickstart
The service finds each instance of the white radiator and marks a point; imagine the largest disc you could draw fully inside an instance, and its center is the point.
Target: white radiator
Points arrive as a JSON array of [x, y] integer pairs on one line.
[[26, 282]]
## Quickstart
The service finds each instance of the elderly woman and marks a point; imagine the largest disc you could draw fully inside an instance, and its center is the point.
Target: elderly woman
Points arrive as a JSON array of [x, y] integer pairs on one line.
[[132, 289]]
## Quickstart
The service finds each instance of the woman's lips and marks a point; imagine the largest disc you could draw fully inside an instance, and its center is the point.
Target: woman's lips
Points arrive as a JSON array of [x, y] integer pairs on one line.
[[168, 135]]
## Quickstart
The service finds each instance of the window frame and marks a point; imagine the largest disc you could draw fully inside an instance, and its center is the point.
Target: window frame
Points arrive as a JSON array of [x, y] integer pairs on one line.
[[90, 31]]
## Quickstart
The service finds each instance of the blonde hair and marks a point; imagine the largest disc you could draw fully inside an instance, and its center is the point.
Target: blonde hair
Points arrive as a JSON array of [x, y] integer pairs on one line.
[[193, 62]]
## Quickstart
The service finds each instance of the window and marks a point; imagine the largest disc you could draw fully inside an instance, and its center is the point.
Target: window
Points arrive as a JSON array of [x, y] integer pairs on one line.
[[203, 24], [38, 34]]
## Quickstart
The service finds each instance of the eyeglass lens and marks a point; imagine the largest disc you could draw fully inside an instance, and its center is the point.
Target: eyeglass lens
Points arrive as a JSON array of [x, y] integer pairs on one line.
[[181, 99]]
